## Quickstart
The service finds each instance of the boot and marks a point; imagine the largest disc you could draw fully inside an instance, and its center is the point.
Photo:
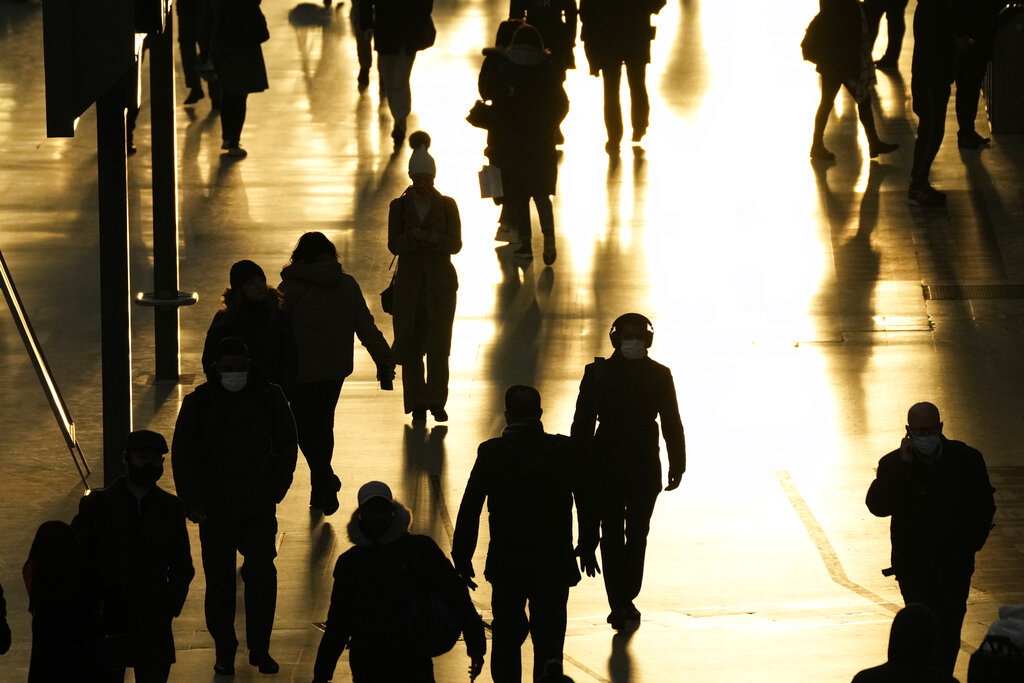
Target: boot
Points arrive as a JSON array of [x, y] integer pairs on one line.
[[549, 250]]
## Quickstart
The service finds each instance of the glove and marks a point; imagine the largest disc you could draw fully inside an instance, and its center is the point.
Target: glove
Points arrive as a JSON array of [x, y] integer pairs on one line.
[[673, 480], [588, 561]]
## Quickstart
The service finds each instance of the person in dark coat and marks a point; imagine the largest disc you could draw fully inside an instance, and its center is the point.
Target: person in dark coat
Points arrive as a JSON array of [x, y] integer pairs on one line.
[[424, 230], [326, 309], [236, 29], [5, 630], [233, 456], [63, 626], [938, 494], [401, 28], [138, 563], [254, 312], [616, 33], [626, 394], [188, 12], [556, 21], [894, 11], [378, 583], [978, 21], [846, 61], [911, 643], [529, 479], [529, 104]]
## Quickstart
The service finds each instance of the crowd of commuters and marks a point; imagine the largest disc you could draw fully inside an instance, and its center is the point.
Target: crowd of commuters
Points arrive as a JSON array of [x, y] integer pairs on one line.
[[105, 589]]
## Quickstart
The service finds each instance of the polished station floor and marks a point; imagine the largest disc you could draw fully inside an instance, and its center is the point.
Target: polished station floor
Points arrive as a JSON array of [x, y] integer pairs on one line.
[[787, 298]]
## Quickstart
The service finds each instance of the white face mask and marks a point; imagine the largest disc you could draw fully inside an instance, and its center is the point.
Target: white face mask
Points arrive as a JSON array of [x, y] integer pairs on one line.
[[633, 349], [926, 445], [234, 381]]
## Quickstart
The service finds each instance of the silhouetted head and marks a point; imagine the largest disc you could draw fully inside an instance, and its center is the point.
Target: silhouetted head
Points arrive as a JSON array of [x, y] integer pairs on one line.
[[925, 429], [144, 457], [506, 30], [376, 508], [231, 363], [632, 334], [422, 168], [912, 637], [312, 246], [529, 36], [249, 279], [522, 403]]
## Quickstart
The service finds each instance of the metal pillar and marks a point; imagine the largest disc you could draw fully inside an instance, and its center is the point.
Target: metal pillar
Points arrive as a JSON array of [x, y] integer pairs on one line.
[[115, 313]]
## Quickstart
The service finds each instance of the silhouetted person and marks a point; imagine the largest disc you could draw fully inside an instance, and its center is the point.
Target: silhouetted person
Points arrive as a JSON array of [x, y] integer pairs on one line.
[[529, 480], [911, 643], [188, 12], [379, 584], [5, 630], [233, 455], [978, 21], [529, 104], [236, 28], [326, 309], [896, 22], [616, 33], [364, 45], [424, 230], [938, 494], [137, 562], [253, 312], [846, 61], [625, 395], [556, 21], [62, 628], [401, 28]]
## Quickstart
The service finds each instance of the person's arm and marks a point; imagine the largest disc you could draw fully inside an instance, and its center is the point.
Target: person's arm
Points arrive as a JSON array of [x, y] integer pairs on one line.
[[400, 237], [336, 629], [450, 584], [451, 236], [587, 519], [584, 420], [367, 331], [981, 500], [672, 431], [888, 489], [285, 443], [180, 569], [467, 523], [185, 457]]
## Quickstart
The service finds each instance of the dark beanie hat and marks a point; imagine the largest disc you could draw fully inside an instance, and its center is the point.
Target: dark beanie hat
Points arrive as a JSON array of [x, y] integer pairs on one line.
[[145, 440], [243, 271]]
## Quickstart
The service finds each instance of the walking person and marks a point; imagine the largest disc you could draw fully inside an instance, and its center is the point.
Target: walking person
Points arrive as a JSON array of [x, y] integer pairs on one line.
[[236, 29], [326, 309], [979, 21], [938, 494], [381, 585], [424, 230], [188, 12], [530, 480], [138, 563], [614, 34], [624, 395], [556, 21], [233, 455], [529, 104], [846, 61], [895, 20], [401, 28]]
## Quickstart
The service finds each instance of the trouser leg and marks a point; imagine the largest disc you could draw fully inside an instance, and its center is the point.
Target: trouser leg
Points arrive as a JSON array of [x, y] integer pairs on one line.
[[396, 70], [519, 206], [313, 406], [545, 214], [946, 596], [970, 72], [895, 17], [256, 543], [232, 118], [187, 40], [639, 102], [218, 542], [930, 103], [639, 509], [510, 628], [414, 385], [548, 618], [152, 673], [612, 78], [437, 380], [613, 548]]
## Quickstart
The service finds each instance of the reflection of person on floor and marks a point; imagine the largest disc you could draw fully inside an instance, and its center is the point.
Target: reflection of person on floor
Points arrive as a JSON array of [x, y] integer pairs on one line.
[[378, 584], [978, 20], [137, 562], [233, 456], [326, 310], [625, 395], [529, 479], [911, 643], [938, 494], [846, 60], [894, 11], [424, 231], [616, 33]]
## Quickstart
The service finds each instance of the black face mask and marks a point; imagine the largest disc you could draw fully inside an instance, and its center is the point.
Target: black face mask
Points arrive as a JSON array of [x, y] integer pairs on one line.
[[146, 475]]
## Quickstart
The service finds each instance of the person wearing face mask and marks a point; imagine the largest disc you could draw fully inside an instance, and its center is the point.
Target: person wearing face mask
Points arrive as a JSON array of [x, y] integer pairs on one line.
[[137, 564], [424, 230], [624, 396], [233, 456], [377, 583], [938, 494]]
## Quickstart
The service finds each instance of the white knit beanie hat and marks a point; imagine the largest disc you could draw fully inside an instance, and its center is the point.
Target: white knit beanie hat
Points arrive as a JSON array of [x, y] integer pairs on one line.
[[421, 163]]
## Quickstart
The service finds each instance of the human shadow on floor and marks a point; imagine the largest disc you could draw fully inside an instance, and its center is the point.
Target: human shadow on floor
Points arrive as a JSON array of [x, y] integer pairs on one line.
[[620, 662]]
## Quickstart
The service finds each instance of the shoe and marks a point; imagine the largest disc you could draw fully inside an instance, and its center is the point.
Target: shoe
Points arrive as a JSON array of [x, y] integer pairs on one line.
[[617, 620], [236, 153], [419, 415], [880, 147], [971, 140], [506, 233], [264, 662], [638, 135], [439, 414], [194, 96], [329, 498], [525, 251], [224, 669], [926, 195], [398, 135], [819, 152], [130, 150], [631, 613], [887, 64], [549, 250], [363, 79], [612, 148]]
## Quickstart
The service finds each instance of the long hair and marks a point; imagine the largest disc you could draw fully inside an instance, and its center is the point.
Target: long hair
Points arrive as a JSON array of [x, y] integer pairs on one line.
[[313, 245]]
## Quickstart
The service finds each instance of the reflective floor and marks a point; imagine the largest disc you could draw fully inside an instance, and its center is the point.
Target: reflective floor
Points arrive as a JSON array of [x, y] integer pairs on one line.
[[787, 299]]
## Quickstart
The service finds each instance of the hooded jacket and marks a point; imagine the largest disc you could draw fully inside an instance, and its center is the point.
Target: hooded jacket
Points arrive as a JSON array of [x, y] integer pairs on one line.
[[911, 641], [326, 309], [375, 583]]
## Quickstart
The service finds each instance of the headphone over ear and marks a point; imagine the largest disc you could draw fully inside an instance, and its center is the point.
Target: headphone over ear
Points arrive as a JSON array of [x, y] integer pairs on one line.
[[634, 319]]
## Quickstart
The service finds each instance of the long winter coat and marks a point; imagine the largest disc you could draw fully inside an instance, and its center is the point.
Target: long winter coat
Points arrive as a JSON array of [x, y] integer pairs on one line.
[[139, 566], [264, 328], [235, 45], [625, 397], [529, 480], [233, 453], [425, 279], [326, 308], [941, 513], [935, 30], [616, 32], [398, 25], [375, 583], [842, 28]]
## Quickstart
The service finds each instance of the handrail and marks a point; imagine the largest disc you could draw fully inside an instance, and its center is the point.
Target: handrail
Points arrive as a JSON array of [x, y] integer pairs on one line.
[[46, 380]]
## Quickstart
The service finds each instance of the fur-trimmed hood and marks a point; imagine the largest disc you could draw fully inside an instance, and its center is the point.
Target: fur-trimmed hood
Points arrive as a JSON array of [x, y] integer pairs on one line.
[[399, 527]]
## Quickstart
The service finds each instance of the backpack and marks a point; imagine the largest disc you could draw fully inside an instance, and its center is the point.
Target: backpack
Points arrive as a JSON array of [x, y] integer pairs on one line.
[[813, 45], [433, 625]]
